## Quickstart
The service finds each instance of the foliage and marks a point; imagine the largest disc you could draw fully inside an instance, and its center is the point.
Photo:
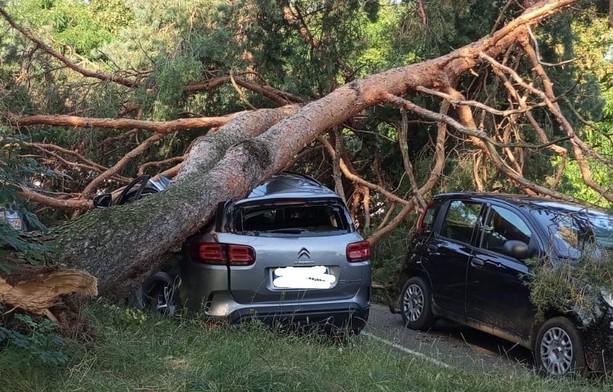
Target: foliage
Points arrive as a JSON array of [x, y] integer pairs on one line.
[[39, 341], [389, 254], [124, 317], [168, 45], [594, 101], [14, 172], [81, 26], [572, 287]]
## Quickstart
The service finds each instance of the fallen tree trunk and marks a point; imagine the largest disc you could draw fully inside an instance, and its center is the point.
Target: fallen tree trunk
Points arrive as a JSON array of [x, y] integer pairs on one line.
[[123, 244]]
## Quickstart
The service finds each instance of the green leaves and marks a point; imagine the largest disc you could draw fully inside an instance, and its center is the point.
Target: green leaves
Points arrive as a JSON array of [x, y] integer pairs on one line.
[[39, 340], [572, 286], [172, 74], [73, 23]]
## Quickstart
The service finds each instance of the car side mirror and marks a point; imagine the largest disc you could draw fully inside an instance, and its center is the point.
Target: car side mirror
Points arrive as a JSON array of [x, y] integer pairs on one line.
[[517, 249], [103, 201]]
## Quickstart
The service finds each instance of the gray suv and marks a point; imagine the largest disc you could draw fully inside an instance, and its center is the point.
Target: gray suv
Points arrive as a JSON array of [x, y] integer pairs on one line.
[[287, 253]]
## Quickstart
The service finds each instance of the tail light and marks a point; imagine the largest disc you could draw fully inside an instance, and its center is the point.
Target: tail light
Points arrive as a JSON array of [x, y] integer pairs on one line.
[[212, 253], [241, 255], [420, 221], [358, 251], [221, 254]]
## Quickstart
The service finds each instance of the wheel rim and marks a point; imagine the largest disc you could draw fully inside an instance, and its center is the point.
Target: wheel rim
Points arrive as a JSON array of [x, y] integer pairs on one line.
[[162, 299], [413, 302], [556, 351]]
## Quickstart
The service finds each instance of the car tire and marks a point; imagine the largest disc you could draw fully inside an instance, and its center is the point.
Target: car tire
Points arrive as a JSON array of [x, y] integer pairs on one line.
[[558, 349], [416, 304], [160, 294]]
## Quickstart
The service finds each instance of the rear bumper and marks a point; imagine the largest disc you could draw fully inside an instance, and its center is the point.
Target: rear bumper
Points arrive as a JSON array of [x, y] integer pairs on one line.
[[351, 313], [205, 290], [353, 318]]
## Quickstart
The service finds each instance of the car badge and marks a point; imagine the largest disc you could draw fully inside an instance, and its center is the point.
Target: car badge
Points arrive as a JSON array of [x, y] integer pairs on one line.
[[304, 254], [304, 257]]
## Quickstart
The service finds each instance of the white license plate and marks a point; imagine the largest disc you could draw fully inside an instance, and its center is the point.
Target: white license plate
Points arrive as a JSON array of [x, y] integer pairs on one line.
[[316, 277]]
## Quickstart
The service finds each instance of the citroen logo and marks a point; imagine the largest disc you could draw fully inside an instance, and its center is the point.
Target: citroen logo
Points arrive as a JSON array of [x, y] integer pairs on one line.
[[304, 254]]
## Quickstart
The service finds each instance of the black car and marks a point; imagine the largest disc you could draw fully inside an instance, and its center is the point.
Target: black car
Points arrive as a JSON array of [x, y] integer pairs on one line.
[[470, 261]]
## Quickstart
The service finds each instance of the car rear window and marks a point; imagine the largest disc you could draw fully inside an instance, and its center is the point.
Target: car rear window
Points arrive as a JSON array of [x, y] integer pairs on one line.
[[292, 218]]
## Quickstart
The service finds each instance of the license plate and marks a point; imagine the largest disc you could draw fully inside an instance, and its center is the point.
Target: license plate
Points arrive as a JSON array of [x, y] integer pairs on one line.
[[316, 277]]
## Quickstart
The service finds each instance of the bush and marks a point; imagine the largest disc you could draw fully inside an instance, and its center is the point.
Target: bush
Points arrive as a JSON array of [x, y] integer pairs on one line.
[[573, 286], [388, 257], [37, 339]]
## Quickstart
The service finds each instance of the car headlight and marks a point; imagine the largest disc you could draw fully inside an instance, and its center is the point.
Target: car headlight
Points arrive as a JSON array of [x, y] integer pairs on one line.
[[607, 297]]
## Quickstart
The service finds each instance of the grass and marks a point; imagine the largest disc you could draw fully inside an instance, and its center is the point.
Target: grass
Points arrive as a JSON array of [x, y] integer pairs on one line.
[[133, 351]]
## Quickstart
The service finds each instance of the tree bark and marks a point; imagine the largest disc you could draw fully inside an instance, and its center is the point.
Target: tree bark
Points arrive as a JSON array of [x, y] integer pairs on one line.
[[123, 244]]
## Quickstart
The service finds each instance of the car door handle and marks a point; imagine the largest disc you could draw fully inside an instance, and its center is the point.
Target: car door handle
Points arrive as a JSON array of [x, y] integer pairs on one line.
[[477, 262]]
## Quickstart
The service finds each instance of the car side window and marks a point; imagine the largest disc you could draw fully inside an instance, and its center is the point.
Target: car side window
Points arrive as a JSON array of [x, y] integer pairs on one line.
[[429, 217], [502, 225], [460, 220]]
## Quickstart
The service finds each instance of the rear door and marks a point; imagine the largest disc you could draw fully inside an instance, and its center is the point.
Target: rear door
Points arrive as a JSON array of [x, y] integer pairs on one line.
[[448, 253], [300, 253]]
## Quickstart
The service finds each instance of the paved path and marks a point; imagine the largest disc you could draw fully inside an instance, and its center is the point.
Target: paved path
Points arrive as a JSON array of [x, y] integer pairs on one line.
[[448, 344]]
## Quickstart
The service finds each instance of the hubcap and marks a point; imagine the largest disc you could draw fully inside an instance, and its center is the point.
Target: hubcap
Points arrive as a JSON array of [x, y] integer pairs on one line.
[[413, 302], [556, 351]]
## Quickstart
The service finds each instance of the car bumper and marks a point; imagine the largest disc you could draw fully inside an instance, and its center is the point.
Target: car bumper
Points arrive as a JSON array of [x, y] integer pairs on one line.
[[351, 313], [205, 291], [353, 318]]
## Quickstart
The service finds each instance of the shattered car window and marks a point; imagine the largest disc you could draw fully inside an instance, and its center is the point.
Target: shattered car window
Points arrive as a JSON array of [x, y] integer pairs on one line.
[[291, 218]]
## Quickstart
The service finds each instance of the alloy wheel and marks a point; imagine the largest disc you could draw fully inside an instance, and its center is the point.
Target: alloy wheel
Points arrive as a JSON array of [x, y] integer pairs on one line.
[[413, 302], [556, 351]]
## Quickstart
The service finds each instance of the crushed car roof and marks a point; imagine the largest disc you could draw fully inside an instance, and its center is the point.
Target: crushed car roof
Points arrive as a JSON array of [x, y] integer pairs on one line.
[[291, 185]]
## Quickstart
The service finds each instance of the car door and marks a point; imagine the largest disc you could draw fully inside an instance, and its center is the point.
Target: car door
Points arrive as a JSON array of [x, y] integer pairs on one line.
[[448, 252], [496, 291]]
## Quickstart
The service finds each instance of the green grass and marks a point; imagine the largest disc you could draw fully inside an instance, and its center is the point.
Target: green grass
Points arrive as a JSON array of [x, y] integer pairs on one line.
[[133, 351]]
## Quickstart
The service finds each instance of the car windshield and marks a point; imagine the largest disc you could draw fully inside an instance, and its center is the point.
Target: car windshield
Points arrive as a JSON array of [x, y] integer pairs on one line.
[[571, 231], [292, 218]]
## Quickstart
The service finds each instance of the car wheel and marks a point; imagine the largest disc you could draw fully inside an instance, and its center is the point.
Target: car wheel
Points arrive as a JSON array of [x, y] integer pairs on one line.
[[558, 349], [160, 294], [416, 306]]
